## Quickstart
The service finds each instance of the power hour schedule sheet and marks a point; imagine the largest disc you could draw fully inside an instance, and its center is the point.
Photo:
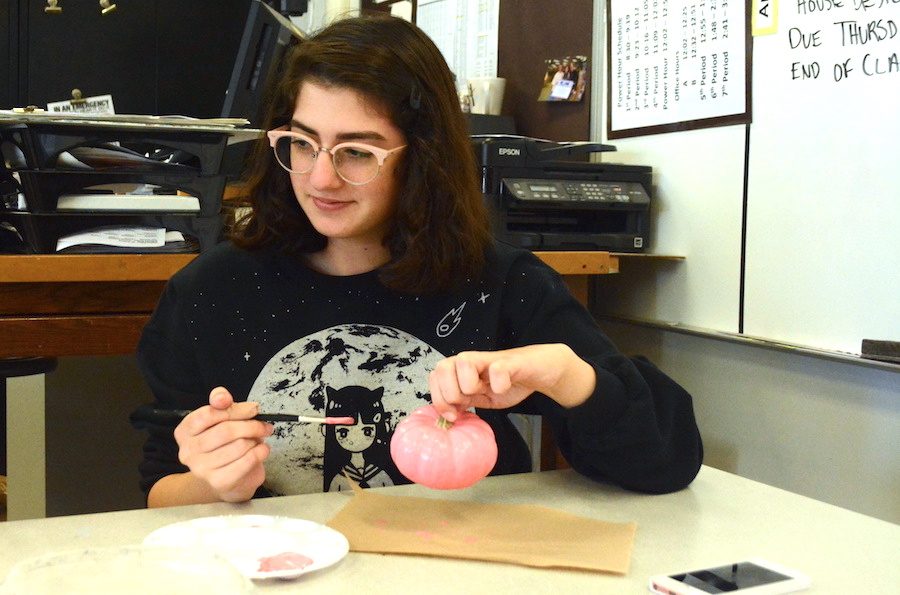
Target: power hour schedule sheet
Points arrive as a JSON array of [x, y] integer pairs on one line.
[[675, 61]]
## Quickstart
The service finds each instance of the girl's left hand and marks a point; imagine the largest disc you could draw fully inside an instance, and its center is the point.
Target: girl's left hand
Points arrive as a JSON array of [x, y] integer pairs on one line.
[[501, 379]]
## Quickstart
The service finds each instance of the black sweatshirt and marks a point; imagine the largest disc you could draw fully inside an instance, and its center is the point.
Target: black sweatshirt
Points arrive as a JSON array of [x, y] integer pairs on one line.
[[271, 330]]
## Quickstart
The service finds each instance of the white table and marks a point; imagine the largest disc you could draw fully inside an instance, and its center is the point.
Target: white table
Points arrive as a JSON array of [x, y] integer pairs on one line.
[[720, 518]]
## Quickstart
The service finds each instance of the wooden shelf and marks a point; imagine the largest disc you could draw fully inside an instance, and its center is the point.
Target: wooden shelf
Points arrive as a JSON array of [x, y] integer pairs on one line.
[[76, 268], [72, 268], [581, 262], [647, 256]]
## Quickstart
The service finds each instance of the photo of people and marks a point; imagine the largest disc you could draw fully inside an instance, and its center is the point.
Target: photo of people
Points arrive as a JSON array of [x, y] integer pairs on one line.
[[565, 79]]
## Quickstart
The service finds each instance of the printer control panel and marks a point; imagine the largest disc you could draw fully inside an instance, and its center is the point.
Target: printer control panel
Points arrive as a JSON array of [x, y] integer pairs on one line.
[[551, 190]]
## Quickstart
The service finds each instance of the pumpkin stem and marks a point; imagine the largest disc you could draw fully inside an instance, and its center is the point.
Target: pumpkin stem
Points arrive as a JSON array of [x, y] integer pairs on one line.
[[443, 423]]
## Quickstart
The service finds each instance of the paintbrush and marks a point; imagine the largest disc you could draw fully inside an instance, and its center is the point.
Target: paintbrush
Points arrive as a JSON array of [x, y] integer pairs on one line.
[[145, 413]]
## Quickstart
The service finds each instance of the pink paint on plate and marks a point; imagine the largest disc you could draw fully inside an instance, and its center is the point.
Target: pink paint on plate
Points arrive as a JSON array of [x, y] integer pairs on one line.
[[284, 561]]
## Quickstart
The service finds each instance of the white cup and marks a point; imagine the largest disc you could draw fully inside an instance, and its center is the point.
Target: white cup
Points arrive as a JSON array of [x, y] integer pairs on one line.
[[487, 95]]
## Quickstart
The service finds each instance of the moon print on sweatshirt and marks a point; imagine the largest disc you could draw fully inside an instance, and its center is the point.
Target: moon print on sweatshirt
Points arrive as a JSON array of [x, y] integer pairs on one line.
[[383, 369]]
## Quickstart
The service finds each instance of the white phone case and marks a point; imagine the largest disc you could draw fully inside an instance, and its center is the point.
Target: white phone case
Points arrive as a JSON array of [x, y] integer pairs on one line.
[[795, 581]]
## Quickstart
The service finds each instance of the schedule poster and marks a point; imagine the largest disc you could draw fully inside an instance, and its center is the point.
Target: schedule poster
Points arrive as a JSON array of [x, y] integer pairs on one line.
[[676, 65]]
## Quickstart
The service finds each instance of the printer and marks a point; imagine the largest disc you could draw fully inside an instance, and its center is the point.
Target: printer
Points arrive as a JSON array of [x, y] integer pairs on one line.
[[546, 195]]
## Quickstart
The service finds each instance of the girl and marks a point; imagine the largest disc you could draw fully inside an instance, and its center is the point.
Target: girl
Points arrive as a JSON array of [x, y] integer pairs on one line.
[[368, 261]]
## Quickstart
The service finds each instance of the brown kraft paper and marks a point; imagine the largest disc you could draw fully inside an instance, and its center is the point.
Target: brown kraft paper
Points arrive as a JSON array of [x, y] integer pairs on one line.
[[521, 534]]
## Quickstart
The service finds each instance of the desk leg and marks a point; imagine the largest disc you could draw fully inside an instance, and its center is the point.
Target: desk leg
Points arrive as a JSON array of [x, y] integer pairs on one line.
[[26, 448], [3, 425], [578, 286]]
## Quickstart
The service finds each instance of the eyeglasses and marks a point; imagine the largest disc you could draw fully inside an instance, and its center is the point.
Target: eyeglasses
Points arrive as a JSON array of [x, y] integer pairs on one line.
[[355, 163]]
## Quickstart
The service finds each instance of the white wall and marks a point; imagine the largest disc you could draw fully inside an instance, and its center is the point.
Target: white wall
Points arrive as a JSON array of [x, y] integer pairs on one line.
[[821, 428], [703, 290]]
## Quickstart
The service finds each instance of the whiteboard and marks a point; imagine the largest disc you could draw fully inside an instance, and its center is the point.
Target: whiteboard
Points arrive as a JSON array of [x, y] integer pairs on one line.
[[823, 194]]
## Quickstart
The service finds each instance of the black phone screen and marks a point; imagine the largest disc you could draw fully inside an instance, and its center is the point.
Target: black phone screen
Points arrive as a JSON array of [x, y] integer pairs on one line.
[[724, 579]]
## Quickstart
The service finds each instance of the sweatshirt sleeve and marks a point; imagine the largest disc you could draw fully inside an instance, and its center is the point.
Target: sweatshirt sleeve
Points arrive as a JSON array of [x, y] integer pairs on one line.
[[637, 429], [171, 372]]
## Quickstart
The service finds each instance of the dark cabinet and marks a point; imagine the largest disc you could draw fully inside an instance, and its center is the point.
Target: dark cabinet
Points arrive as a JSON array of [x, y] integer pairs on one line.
[[152, 56], [80, 48], [196, 50], [8, 53]]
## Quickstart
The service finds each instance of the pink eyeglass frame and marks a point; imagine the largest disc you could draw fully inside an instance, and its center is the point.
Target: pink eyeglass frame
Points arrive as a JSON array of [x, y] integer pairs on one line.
[[379, 153]]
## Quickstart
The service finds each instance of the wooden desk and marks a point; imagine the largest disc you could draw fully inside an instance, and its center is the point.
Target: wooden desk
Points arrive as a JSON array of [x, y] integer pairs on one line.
[[59, 305], [720, 518], [62, 305]]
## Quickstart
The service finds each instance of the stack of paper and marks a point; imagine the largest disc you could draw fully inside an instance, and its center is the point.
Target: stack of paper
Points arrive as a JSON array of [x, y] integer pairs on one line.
[[126, 238]]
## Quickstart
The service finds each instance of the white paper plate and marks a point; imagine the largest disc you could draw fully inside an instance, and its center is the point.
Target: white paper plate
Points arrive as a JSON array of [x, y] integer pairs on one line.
[[259, 546]]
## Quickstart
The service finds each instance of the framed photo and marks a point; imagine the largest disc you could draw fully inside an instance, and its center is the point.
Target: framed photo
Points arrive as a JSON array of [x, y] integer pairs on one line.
[[565, 79]]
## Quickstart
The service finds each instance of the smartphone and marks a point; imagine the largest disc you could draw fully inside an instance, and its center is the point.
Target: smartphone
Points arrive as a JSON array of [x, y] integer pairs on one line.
[[750, 577]]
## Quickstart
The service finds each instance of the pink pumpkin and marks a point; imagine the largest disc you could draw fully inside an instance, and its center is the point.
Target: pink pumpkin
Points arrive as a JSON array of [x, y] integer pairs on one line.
[[442, 455]]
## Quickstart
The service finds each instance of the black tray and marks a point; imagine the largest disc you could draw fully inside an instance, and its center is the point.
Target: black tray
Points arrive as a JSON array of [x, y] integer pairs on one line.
[[43, 188], [38, 145], [41, 231]]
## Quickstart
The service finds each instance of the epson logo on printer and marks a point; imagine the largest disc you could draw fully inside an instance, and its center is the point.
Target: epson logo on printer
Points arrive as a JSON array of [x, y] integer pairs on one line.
[[509, 151]]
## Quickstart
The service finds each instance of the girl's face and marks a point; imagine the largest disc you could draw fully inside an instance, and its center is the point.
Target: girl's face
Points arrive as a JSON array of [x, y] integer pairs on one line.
[[340, 211], [355, 438]]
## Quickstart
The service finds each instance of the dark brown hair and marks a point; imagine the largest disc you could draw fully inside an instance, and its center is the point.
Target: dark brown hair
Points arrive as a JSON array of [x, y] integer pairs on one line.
[[440, 229]]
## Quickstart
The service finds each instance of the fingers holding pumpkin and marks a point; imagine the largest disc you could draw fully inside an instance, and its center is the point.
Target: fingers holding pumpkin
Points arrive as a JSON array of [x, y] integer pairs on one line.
[[469, 367], [446, 395], [471, 379], [500, 379]]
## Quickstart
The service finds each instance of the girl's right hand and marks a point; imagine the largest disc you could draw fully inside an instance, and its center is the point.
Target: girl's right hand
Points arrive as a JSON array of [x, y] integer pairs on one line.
[[222, 445]]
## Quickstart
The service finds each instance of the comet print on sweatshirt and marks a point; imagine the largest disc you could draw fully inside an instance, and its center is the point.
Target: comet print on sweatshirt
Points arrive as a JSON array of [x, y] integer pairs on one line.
[[372, 373]]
